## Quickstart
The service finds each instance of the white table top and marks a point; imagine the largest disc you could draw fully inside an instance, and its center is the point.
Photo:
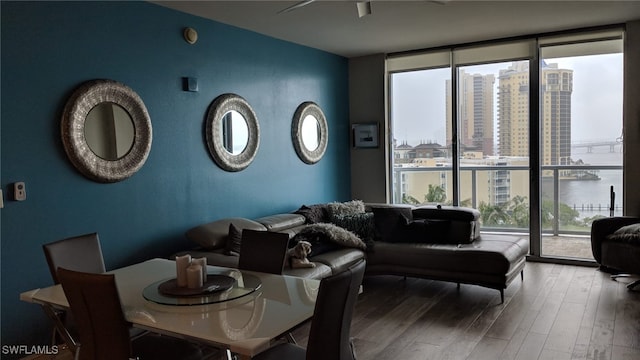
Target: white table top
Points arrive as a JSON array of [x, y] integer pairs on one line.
[[245, 326]]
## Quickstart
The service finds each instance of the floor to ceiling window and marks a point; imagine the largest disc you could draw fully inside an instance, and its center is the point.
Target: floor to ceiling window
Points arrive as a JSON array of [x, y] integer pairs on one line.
[[581, 140], [462, 134], [422, 144]]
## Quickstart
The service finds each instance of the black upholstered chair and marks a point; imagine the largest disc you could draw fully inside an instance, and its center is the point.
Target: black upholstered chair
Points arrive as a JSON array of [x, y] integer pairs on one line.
[[329, 337], [103, 330], [619, 257], [263, 251]]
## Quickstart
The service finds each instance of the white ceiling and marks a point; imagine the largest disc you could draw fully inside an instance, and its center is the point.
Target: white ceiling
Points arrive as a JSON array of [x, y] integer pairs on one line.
[[394, 26]]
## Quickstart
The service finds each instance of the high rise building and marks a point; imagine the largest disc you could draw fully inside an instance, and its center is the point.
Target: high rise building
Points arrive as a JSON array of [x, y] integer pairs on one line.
[[513, 112], [557, 86], [475, 104]]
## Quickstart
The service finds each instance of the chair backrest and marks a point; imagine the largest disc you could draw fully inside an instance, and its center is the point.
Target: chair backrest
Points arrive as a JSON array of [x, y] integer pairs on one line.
[[329, 337], [95, 305], [263, 251], [79, 253]]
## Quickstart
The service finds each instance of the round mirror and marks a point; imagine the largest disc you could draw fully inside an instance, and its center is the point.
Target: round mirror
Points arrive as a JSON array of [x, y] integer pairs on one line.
[[106, 130], [232, 132], [235, 132], [309, 132]]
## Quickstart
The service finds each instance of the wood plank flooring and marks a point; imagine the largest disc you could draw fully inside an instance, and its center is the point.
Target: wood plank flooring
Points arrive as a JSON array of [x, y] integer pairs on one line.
[[557, 312]]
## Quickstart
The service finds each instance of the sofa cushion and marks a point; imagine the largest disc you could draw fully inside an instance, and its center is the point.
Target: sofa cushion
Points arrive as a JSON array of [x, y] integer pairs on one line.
[[280, 222], [214, 235], [389, 219], [463, 227], [456, 213], [628, 234], [339, 260], [491, 254], [423, 231], [314, 214]]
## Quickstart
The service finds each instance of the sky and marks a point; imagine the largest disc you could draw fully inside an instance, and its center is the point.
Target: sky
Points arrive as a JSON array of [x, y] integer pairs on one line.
[[418, 103]]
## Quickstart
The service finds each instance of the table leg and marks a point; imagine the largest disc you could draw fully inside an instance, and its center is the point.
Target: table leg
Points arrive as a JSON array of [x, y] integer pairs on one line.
[[62, 330]]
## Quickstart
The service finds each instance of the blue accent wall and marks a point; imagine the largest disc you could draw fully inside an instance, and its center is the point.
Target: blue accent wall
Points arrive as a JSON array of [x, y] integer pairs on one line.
[[50, 48]]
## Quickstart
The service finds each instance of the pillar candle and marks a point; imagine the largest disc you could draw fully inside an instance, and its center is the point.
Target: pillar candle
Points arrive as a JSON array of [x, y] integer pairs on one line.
[[194, 276], [202, 262], [182, 262]]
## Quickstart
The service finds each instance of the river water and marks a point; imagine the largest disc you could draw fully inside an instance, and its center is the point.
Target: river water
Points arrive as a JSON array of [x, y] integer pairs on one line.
[[592, 197]]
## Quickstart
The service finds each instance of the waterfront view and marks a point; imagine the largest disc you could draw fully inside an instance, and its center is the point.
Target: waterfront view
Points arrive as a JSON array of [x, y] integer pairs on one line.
[[461, 134], [591, 197]]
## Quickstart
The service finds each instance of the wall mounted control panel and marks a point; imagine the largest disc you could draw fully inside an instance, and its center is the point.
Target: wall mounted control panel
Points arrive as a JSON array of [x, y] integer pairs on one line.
[[19, 191]]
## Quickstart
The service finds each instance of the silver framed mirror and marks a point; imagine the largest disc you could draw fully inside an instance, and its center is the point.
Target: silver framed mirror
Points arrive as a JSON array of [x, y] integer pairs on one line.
[[309, 132], [232, 132], [106, 130]]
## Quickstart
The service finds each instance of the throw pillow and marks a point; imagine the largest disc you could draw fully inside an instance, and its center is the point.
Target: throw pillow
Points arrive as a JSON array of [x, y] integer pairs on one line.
[[359, 224], [345, 208], [234, 240], [629, 234], [313, 213], [327, 237]]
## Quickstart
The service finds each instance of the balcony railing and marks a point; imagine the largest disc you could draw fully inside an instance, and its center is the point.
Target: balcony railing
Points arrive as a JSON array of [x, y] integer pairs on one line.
[[553, 177]]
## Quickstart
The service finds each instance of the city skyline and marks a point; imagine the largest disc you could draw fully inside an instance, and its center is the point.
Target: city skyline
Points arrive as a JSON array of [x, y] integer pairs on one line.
[[418, 110]]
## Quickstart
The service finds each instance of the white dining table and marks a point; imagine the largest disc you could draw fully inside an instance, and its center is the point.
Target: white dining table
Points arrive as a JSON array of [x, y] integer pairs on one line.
[[246, 325]]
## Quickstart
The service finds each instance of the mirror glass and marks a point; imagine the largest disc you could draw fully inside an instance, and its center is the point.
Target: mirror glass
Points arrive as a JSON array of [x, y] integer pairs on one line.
[[235, 132], [232, 132], [106, 130], [310, 132], [109, 131]]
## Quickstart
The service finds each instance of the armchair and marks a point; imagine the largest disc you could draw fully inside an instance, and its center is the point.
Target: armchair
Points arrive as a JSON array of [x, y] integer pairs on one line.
[[615, 256]]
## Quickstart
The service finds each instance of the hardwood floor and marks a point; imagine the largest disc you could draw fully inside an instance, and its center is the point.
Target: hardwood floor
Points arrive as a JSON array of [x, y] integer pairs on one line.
[[557, 312]]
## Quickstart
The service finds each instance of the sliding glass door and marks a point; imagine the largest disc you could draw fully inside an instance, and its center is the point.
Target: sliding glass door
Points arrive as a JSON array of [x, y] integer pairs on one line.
[[581, 142]]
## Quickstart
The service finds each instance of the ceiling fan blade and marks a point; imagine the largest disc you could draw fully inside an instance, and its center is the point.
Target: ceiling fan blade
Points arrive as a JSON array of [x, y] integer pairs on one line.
[[364, 8], [296, 6]]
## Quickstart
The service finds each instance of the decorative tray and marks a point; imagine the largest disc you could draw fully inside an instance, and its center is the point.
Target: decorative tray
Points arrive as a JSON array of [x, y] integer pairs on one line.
[[214, 283]]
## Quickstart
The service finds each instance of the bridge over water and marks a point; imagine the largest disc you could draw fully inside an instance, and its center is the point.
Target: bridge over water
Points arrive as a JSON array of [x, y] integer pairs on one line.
[[613, 145]]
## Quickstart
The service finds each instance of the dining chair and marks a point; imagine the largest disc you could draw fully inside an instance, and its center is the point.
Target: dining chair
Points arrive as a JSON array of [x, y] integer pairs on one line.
[[103, 329], [263, 251], [79, 253], [329, 337]]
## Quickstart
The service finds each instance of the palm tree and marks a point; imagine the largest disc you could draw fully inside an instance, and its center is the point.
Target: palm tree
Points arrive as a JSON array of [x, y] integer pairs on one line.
[[493, 214], [435, 194]]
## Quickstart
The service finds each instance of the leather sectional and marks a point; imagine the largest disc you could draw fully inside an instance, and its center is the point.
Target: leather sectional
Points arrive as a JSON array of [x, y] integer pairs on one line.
[[439, 243]]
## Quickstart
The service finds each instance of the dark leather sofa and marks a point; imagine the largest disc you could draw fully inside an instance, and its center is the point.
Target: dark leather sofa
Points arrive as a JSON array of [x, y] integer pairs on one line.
[[461, 254], [615, 256]]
